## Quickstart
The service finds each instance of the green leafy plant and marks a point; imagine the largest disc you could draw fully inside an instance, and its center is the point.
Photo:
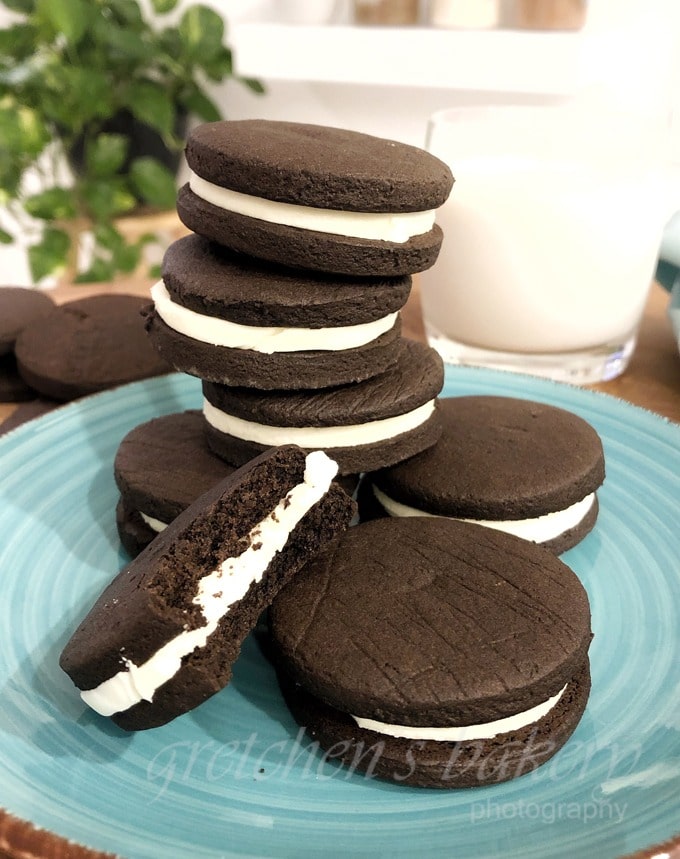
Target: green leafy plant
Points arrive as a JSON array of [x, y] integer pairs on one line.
[[77, 79]]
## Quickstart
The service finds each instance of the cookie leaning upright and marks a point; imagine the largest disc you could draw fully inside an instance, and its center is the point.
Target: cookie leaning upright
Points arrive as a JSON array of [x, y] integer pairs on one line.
[[315, 197], [163, 636]]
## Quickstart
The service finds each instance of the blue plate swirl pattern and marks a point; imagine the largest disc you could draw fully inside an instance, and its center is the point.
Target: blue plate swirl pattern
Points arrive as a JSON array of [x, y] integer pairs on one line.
[[235, 777]]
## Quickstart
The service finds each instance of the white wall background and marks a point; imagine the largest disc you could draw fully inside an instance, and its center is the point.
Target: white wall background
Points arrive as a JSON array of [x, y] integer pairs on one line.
[[628, 56]]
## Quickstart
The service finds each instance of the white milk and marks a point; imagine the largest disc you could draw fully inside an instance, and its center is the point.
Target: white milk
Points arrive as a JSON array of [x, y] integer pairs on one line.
[[543, 257]]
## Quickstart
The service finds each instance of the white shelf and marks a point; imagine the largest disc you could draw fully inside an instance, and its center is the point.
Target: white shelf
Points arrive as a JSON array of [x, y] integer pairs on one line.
[[481, 60]]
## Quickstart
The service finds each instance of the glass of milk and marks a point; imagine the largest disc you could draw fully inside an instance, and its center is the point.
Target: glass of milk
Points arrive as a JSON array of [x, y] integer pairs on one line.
[[551, 236]]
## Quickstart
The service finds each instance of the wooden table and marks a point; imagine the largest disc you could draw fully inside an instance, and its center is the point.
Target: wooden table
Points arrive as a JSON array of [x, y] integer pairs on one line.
[[652, 379]]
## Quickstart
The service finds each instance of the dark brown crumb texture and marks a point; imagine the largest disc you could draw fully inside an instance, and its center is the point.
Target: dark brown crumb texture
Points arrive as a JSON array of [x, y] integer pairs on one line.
[[150, 601]]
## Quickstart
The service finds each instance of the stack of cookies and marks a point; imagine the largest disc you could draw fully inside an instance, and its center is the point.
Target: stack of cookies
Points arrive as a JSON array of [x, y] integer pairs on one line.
[[416, 648], [285, 300]]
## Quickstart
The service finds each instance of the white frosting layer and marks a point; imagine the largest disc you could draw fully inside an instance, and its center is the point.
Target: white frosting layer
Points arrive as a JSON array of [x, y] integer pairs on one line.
[[381, 226], [217, 592], [317, 437], [539, 529], [221, 332], [154, 524], [463, 733]]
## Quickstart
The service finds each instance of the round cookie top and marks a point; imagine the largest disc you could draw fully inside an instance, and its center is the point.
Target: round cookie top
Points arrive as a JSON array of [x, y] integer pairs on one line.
[[18, 307], [319, 166], [432, 622], [500, 458], [162, 466], [214, 281], [88, 345], [414, 379]]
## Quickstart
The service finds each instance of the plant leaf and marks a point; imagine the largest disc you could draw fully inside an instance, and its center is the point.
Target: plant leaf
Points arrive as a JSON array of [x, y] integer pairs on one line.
[[169, 42], [153, 182], [73, 95], [51, 205], [22, 131], [122, 40], [107, 197], [25, 6], [10, 179], [202, 31], [68, 17], [106, 154], [127, 12], [5, 237], [162, 7], [123, 200], [18, 42], [126, 257], [198, 103], [151, 104], [100, 270], [108, 236], [219, 66], [253, 85], [49, 254]]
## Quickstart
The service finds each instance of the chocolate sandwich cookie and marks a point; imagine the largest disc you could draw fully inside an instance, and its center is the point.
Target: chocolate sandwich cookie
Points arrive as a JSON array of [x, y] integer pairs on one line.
[[161, 467], [363, 427], [516, 465], [88, 345], [19, 306], [314, 197], [238, 321], [163, 636], [435, 653]]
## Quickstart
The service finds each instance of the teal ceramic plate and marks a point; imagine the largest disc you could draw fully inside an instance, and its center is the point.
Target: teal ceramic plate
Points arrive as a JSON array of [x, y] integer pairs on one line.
[[235, 778]]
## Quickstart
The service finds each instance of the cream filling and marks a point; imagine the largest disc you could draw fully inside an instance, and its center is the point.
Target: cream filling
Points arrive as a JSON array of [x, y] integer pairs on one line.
[[154, 524], [233, 335], [540, 529], [317, 437], [381, 226], [463, 733], [216, 593]]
